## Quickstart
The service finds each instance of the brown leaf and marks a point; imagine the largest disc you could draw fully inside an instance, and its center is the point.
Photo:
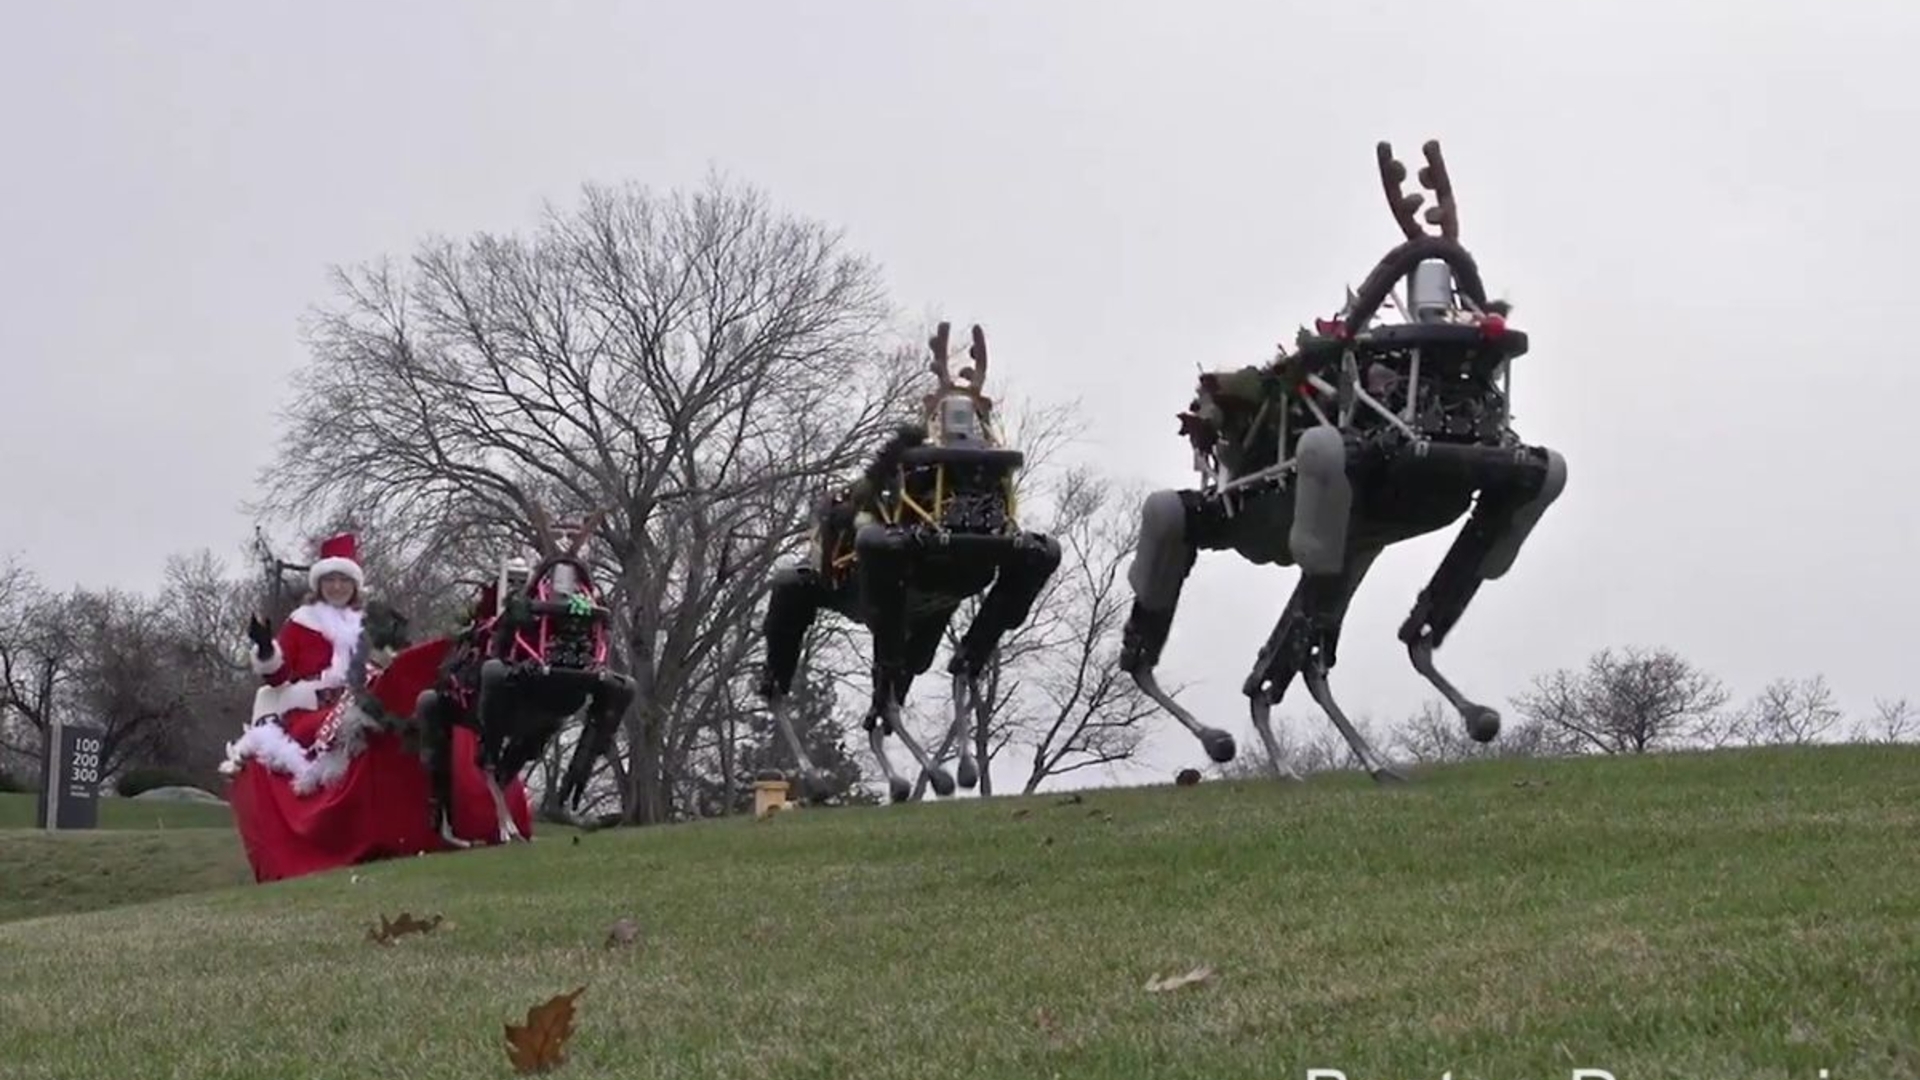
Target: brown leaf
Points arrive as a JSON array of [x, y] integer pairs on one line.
[[1162, 984], [1049, 1026], [624, 932], [388, 930], [540, 1044]]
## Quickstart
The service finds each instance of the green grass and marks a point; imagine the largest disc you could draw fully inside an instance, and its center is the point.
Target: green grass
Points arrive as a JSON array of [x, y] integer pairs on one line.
[[20, 812], [1744, 915], [141, 851]]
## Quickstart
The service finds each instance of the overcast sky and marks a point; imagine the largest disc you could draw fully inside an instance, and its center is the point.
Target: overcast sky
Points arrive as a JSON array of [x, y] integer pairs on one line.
[[1704, 213]]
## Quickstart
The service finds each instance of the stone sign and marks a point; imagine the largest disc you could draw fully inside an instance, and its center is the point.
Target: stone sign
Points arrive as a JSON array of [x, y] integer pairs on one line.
[[70, 788]]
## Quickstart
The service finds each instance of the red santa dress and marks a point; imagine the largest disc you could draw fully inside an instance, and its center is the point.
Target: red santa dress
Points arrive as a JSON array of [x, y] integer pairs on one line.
[[317, 782]]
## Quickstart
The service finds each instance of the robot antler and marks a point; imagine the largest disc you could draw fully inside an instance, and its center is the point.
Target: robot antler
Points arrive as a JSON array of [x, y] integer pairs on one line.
[[938, 343], [1433, 177], [976, 375], [585, 534], [543, 536]]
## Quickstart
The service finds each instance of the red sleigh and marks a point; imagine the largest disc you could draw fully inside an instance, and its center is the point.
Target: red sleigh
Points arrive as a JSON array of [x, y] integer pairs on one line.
[[336, 787]]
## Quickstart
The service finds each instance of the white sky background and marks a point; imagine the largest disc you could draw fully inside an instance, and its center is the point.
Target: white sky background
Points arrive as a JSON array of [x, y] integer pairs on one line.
[[1703, 212]]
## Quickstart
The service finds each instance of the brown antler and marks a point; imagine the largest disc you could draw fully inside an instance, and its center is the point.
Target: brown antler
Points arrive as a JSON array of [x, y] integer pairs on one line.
[[976, 375], [1433, 177], [585, 535], [542, 531], [938, 343]]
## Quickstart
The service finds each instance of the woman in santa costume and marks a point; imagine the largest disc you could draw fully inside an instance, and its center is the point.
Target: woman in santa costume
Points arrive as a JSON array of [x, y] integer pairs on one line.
[[304, 669]]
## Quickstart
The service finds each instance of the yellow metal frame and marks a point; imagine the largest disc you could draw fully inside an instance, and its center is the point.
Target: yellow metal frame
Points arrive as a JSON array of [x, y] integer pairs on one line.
[[897, 510]]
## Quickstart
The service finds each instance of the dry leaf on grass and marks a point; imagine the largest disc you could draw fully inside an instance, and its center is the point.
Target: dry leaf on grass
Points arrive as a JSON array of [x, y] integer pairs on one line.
[[388, 930], [1162, 984], [624, 932], [540, 1044]]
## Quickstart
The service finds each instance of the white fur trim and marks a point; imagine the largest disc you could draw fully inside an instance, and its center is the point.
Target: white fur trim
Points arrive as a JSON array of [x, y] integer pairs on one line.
[[271, 702], [335, 565], [340, 741], [268, 666], [341, 628]]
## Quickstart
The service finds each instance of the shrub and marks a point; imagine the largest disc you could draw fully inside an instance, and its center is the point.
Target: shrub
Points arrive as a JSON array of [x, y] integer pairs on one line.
[[143, 779]]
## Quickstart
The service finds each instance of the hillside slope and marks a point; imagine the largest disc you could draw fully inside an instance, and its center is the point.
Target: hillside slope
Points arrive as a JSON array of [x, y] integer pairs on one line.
[[1736, 915]]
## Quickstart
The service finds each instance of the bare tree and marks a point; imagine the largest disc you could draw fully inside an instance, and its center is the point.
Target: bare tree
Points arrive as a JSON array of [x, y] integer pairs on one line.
[[1307, 744], [1434, 735], [1086, 711], [34, 665], [1894, 721], [1634, 701], [694, 365], [1789, 712]]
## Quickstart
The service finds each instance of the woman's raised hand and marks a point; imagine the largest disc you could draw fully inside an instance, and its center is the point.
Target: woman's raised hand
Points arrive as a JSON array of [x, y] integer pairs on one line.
[[261, 635]]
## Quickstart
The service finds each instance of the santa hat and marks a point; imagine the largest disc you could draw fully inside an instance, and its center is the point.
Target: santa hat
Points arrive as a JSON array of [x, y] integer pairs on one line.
[[338, 555]]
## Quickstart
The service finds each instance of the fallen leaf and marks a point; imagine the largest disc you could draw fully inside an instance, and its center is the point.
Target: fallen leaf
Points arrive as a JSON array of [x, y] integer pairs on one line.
[[624, 932], [388, 930], [540, 1044], [1162, 984]]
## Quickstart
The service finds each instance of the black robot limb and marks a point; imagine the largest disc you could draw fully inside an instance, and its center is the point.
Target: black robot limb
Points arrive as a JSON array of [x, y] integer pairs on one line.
[[494, 711], [795, 598], [1306, 637], [1305, 642], [884, 562], [1517, 492], [1023, 572], [1174, 527], [437, 716], [606, 705]]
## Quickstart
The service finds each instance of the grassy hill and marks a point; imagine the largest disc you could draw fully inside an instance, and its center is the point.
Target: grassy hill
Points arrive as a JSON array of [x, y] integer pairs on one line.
[[1743, 915], [143, 850]]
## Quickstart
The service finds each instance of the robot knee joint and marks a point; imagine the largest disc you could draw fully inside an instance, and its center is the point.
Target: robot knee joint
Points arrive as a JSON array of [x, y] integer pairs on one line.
[[793, 577], [1500, 556], [1163, 517], [877, 540]]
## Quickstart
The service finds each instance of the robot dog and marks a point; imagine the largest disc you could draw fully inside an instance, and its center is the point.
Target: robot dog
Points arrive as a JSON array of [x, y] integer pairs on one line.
[[1365, 436], [534, 654], [930, 524]]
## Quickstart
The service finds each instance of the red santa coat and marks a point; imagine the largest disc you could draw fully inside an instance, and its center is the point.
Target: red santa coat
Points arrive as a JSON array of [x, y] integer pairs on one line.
[[308, 665]]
